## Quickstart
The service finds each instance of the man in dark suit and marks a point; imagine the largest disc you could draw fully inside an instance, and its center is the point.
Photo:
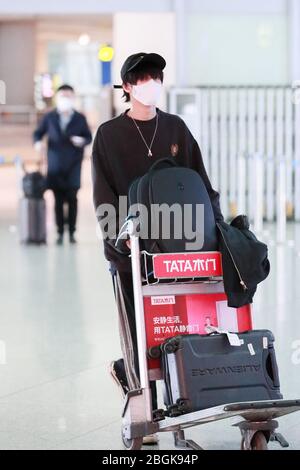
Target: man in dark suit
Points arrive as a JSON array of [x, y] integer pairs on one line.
[[68, 133]]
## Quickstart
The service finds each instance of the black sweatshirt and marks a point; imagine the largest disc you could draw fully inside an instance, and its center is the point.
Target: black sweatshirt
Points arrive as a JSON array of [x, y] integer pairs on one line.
[[120, 155]]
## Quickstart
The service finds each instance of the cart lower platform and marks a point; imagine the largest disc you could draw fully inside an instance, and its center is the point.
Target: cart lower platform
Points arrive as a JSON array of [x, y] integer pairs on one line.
[[258, 426]]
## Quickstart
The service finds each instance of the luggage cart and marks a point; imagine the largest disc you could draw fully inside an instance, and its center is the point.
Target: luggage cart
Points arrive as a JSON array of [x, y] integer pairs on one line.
[[195, 275]]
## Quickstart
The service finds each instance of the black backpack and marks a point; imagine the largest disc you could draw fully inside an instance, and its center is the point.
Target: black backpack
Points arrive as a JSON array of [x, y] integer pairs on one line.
[[167, 183], [34, 185]]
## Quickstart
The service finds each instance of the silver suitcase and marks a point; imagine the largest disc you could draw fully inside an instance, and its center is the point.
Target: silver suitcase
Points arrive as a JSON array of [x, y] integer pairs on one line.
[[32, 220]]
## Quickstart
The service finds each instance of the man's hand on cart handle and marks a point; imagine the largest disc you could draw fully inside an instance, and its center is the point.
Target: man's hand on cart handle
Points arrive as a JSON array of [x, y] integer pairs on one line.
[[128, 243]]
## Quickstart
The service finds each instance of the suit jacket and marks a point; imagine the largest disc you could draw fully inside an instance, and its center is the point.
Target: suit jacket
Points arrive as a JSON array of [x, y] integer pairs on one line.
[[64, 159]]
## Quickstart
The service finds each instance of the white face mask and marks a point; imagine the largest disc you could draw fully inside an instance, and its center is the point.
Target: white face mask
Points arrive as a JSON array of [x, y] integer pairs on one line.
[[147, 93], [64, 104]]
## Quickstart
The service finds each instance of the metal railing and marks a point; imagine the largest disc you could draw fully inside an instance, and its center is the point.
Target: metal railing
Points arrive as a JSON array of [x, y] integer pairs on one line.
[[250, 142]]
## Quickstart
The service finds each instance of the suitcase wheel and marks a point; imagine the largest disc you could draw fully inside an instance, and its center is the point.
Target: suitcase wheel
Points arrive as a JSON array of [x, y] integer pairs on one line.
[[182, 405], [158, 415], [173, 411], [154, 352], [171, 346]]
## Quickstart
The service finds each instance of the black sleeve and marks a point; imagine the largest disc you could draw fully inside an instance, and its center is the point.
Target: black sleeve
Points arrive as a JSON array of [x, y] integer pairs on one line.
[[41, 129], [86, 132], [103, 192], [198, 165]]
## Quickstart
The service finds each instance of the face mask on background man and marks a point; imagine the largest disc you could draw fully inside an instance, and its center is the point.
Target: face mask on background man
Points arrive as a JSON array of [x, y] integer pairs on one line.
[[147, 93], [64, 104]]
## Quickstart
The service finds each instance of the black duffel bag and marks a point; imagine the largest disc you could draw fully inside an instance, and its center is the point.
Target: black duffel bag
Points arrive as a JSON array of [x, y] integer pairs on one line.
[[34, 185], [167, 184]]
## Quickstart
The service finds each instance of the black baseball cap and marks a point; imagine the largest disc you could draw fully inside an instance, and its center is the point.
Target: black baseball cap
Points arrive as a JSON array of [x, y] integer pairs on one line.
[[141, 58]]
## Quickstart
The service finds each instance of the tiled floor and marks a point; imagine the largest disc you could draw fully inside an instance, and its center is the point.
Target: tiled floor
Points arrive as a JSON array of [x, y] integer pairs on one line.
[[58, 325]]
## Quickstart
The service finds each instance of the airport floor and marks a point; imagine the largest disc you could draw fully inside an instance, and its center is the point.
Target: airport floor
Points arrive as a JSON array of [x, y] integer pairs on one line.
[[58, 330]]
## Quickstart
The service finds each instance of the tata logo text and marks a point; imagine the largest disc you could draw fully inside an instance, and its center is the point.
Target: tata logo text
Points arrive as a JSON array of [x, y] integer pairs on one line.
[[189, 266], [163, 300]]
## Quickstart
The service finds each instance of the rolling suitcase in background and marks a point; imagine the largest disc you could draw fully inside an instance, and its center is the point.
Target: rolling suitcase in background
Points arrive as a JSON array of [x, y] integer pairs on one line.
[[203, 371], [32, 210], [32, 219], [34, 185]]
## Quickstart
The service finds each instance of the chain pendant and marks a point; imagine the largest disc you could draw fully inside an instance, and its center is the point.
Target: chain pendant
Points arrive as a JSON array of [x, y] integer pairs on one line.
[[143, 139]]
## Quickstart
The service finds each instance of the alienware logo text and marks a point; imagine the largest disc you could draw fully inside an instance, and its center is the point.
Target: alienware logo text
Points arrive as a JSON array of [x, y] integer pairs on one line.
[[253, 368]]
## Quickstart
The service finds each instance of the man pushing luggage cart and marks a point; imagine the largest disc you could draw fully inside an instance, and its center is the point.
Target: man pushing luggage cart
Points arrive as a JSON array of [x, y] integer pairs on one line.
[[169, 291], [124, 149]]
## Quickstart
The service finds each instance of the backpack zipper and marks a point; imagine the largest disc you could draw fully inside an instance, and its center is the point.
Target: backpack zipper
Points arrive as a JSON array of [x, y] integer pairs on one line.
[[237, 269]]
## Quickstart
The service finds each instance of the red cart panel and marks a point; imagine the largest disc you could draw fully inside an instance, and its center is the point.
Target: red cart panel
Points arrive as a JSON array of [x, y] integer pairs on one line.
[[171, 315]]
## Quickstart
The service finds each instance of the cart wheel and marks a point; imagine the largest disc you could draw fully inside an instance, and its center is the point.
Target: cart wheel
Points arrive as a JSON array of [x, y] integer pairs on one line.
[[258, 442], [132, 444]]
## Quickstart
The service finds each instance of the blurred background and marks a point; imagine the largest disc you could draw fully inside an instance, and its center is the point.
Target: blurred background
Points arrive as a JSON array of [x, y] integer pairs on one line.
[[233, 74], [232, 70]]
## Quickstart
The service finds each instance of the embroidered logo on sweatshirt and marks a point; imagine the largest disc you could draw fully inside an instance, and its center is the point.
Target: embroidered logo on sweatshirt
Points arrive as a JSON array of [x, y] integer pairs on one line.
[[174, 150]]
